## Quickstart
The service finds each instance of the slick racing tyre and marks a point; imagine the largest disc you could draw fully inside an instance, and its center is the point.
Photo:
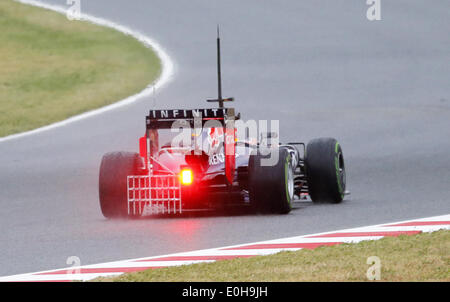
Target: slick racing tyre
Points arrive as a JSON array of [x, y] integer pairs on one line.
[[114, 169], [271, 187], [325, 170]]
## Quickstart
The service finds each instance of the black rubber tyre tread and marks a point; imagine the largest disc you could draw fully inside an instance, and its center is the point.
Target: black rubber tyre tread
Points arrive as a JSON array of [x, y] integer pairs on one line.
[[114, 169], [267, 184], [324, 183]]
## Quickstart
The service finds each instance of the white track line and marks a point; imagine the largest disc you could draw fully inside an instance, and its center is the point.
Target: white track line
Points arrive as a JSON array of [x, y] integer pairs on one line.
[[89, 272], [167, 73]]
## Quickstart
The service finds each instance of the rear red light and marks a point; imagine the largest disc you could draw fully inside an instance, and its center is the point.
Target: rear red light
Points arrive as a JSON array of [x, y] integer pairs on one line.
[[186, 177]]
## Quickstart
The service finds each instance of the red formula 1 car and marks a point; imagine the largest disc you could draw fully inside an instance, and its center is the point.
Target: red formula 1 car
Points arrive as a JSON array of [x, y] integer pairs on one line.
[[207, 164], [168, 178]]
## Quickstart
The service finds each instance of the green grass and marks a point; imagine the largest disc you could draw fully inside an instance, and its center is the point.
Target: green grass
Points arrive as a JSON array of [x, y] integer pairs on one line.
[[52, 68], [423, 257]]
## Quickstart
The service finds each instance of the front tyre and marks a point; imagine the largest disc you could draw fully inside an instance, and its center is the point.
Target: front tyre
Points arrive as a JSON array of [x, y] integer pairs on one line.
[[325, 170], [114, 169]]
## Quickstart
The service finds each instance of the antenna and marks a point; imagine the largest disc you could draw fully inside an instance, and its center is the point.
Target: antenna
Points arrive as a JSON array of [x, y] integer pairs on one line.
[[219, 73], [219, 99]]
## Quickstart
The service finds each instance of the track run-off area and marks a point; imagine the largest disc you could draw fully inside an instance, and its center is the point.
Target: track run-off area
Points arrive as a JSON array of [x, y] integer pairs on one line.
[[354, 235]]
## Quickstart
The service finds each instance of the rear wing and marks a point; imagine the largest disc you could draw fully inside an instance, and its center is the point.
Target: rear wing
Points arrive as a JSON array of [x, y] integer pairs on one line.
[[194, 118], [164, 119]]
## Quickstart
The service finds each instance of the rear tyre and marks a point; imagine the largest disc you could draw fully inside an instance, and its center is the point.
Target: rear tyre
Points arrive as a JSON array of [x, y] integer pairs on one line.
[[114, 169], [271, 188], [325, 170]]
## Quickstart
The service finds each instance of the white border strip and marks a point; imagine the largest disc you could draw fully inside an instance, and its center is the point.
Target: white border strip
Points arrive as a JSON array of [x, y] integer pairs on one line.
[[166, 76]]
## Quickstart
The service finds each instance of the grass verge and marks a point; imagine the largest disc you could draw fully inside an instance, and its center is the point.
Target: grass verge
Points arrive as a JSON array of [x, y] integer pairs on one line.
[[422, 257], [53, 68]]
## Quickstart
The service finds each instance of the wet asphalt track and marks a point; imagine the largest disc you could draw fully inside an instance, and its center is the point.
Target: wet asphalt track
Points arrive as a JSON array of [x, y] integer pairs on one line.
[[320, 67]]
